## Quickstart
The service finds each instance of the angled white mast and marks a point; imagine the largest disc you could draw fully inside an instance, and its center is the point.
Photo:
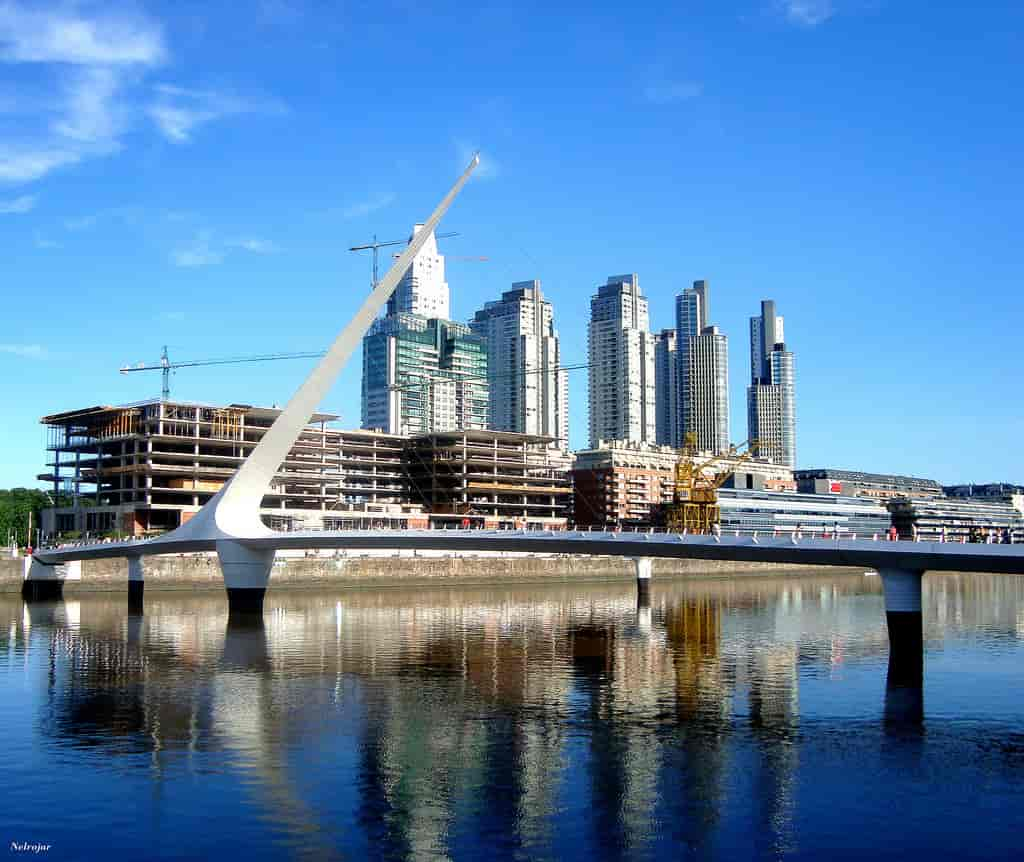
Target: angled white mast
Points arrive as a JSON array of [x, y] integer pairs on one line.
[[234, 511]]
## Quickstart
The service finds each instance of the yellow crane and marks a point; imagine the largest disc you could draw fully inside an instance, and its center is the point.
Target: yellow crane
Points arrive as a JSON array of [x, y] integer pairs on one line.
[[694, 506]]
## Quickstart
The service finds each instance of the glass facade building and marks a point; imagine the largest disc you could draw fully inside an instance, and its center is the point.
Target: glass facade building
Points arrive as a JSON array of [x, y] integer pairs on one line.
[[423, 375]]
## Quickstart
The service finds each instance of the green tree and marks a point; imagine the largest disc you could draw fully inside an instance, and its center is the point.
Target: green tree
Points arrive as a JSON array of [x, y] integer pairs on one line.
[[15, 505]]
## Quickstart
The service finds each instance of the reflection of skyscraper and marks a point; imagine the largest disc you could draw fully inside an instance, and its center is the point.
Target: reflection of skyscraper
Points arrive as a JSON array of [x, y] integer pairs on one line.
[[774, 711], [771, 401]]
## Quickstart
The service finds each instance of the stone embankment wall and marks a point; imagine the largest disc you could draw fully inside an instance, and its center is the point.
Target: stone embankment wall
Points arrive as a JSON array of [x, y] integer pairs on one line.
[[202, 571]]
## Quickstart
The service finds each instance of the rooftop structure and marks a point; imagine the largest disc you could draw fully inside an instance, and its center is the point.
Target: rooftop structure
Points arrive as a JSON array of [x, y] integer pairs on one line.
[[995, 491], [953, 520], [854, 483]]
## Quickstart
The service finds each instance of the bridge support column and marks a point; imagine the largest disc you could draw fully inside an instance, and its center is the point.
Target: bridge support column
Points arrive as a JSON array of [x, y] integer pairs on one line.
[[643, 567], [41, 582], [136, 585], [902, 588], [246, 574]]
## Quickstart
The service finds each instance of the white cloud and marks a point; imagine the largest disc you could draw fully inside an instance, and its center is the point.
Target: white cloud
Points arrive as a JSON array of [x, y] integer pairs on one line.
[[807, 13], [197, 253], [256, 246], [26, 351], [22, 163], [172, 316], [99, 58], [93, 54], [178, 111], [371, 205], [92, 113], [672, 91], [64, 35], [18, 205]]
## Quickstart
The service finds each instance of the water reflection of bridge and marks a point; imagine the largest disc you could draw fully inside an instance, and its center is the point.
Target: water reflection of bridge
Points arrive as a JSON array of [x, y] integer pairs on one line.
[[479, 713]]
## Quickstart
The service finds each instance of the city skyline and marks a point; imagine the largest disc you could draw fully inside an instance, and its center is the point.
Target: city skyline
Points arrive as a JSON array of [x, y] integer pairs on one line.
[[219, 193]]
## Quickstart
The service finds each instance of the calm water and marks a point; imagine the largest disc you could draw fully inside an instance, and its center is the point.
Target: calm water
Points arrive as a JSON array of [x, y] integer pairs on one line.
[[731, 720]]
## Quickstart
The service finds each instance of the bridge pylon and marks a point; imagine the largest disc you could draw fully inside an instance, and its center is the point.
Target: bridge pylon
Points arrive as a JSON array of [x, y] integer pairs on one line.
[[232, 515]]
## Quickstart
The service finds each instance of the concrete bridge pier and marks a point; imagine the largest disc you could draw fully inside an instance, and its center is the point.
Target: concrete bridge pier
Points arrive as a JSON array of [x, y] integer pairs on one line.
[[643, 567], [136, 585], [246, 575], [902, 589], [42, 583]]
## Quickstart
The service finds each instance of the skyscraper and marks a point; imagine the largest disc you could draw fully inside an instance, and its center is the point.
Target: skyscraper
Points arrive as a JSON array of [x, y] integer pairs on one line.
[[708, 390], [528, 388], [422, 375], [423, 289], [666, 387], [702, 372], [620, 350], [771, 399], [421, 371]]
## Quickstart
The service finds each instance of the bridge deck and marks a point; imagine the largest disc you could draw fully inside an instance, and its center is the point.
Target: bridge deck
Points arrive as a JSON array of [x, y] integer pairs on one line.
[[923, 556]]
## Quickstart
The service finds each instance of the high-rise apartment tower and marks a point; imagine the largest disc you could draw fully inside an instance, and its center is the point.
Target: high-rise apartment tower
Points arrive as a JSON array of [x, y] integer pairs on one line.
[[528, 388], [771, 399], [702, 373], [620, 350], [666, 377]]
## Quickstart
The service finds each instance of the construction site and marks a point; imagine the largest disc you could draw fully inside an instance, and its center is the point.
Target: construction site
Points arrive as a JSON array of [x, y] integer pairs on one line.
[[146, 468]]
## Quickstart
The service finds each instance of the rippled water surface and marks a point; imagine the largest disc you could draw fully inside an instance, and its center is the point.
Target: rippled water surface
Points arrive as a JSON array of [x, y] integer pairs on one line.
[[732, 719]]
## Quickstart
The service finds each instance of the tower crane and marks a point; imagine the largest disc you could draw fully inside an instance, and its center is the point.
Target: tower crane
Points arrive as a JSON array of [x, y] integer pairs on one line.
[[694, 507], [375, 245], [165, 365]]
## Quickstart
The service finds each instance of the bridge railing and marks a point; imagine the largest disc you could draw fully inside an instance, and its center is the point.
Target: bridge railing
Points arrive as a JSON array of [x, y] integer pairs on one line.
[[754, 534]]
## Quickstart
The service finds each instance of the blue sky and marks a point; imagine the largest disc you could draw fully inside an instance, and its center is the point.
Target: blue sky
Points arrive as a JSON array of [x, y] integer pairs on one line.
[[192, 174]]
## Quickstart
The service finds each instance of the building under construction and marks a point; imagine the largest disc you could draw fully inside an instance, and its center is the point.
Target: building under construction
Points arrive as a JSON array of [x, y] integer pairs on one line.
[[147, 468], [491, 479]]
